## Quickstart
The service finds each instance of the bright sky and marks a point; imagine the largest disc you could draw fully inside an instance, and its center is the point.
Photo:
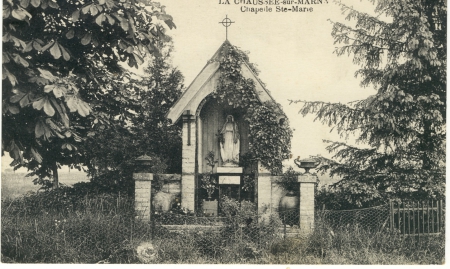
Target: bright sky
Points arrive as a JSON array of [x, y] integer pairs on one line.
[[294, 52]]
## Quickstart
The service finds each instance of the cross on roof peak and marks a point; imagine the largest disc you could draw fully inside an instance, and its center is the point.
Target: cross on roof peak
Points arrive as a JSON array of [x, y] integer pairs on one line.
[[226, 23]]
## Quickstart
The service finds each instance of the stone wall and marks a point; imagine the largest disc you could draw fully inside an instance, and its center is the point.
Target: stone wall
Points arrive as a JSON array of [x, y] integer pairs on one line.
[[269, 195]]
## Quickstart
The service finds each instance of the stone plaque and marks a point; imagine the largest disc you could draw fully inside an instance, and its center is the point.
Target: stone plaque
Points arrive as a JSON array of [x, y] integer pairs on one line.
[[230, 180]]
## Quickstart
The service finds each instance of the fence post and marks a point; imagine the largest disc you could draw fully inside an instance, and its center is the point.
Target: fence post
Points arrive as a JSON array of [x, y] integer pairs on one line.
[[432, 216], [423, 218], [439, 215], [306, 209], [143, 187], [143, 195], [428, 216], [404, 218], [398, 217], [391, 209], [414, 219]]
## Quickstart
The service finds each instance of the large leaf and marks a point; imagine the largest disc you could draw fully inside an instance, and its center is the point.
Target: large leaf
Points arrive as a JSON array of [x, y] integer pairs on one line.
[[47, 75], [11, 77], [75, 15], [19, 60], [44, 48], [110, 4], [61, 111], [28, 47], [25, 100], [110, 19], [36, 155], [20, 14], [58, 90], [83, 108], [53, 4], [35, 3], [93, 9], [48, 108], [39, 103], [170, 24], [41, 129], [65, 53], [124, 24], [55, 51], [13, 109], [6, 11], [100, 19], [72, 103], [85, 9], [24, 3], [86, 39], [18, 95], [70, 34]]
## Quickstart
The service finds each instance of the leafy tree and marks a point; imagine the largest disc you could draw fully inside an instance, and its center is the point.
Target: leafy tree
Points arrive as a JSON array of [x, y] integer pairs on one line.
[[61, 62], [402, 126], [111, 151]]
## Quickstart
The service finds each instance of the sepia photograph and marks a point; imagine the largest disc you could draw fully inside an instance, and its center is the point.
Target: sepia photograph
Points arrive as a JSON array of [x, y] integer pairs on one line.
[[256, 132]]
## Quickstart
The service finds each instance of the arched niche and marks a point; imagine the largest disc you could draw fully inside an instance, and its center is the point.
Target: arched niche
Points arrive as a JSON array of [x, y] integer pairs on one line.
[[212, 116]]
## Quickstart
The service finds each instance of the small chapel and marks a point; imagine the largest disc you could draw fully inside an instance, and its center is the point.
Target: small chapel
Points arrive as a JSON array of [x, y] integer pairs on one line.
[[234, 139], [215, 129]]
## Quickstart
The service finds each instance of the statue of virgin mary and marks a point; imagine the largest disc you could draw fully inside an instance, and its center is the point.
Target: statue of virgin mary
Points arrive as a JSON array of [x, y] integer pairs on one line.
[[229, 145]]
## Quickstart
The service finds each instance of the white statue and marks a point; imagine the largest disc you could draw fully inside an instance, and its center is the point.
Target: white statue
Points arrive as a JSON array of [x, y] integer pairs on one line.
[[229, 145]]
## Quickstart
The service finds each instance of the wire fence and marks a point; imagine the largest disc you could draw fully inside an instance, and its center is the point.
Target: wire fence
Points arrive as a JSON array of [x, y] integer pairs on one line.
[[373, 218]]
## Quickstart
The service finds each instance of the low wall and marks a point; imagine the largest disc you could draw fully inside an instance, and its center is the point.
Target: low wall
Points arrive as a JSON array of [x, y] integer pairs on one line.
[[268, 201], [169, 193], [172, 185]]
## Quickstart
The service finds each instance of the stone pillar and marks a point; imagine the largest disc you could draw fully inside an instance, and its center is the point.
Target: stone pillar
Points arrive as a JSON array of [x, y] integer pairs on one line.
[[143, 195], [307, 185], [188, 162], [264, 190]]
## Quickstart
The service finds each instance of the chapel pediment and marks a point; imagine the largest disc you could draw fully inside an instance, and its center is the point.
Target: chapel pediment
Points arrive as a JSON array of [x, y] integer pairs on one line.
[[206, 82]]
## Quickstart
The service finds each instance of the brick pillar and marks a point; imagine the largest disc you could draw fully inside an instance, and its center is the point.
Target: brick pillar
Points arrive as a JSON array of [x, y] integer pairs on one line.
[[188, 162], [307, 184], [143, 195], [264, 190]]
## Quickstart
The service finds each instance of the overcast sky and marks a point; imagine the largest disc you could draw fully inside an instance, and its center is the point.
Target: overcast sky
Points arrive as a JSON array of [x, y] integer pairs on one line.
[[293, 51]]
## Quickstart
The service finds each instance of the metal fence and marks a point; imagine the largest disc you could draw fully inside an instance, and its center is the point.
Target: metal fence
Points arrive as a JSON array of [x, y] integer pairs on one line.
[[417, 217], [409, 218], [373, 218]]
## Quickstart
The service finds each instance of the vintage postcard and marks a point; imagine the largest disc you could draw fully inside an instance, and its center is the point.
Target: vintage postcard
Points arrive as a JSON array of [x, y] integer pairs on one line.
[[276, 132]]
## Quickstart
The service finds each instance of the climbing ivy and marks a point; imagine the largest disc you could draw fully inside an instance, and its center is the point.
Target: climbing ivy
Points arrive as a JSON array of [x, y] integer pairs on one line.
[[269, 131]]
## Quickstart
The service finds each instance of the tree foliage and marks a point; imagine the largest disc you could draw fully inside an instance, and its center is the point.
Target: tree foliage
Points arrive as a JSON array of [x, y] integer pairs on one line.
[[61, 69], [111, 152], [402, 126], [269, 131]]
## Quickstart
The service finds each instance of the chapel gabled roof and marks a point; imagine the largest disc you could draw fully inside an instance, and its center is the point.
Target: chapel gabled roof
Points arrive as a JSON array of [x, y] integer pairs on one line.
[[206, 82]]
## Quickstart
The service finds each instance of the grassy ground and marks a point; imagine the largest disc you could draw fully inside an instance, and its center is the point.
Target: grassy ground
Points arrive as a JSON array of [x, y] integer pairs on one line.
[[81, 226]]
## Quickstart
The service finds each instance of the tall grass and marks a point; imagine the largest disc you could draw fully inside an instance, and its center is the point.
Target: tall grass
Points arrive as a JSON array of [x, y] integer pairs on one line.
[[90, 229], [72, 226]]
